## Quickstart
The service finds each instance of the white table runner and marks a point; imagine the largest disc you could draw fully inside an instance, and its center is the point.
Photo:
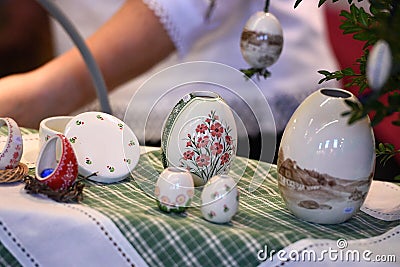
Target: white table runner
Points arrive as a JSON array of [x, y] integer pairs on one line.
[[40, 232]]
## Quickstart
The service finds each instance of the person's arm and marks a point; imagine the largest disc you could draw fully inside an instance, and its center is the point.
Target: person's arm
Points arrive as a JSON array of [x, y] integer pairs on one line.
[[130, 43]]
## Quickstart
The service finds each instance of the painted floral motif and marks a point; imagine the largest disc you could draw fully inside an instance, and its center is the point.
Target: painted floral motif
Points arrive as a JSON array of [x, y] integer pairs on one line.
[[212, 214], [100, 117], [78, 122], [227, 188], [131, 143], [215, 195], [180, 199], [88, 161], [121, 126], [73, 139], [110, 168], [226, 209], [190, 193], [164, 200], [209, 149], [156, 191]]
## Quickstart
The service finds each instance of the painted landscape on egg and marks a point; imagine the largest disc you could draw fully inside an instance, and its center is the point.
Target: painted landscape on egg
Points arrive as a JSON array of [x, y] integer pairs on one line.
[[313, 190]]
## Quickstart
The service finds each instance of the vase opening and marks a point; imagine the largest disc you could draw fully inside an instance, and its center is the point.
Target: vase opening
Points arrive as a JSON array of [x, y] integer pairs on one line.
[[205, 94], [335, 93]]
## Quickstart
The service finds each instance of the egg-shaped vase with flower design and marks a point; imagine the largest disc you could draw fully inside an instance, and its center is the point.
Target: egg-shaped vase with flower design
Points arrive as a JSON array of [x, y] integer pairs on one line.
[[326, 165], [200, 135]]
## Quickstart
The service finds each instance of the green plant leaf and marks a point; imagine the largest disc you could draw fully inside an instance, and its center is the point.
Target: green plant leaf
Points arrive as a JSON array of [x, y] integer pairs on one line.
[[321, 2], [297, 3]]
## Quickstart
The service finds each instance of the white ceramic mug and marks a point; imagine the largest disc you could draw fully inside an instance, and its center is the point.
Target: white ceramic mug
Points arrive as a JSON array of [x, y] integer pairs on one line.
[[52, 126]]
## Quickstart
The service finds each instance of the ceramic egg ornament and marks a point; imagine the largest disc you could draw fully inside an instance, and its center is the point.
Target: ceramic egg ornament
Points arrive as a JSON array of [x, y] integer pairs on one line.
[[58, 170], [261, 41], [11, 153], [174, 190], [379, 64], [220, 199]]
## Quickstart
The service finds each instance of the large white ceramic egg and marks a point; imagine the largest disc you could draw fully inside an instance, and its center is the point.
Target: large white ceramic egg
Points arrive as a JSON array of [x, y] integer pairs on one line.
[[261, 40], [325, 165]]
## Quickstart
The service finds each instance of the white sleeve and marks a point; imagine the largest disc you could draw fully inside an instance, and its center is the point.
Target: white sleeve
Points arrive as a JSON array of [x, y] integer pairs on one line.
[[185, 20]]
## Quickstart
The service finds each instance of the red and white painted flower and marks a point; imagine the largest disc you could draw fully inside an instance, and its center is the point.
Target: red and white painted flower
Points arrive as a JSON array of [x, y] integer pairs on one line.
[[209, 148]]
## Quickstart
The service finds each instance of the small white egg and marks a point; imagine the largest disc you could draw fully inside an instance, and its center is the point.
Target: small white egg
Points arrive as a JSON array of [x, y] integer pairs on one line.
[[379, 64], [261, 41], [174, 190], [219, 199]]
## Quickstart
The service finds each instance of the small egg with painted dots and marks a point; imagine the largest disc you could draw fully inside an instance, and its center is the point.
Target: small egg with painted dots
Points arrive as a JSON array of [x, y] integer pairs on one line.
[[46, 172]]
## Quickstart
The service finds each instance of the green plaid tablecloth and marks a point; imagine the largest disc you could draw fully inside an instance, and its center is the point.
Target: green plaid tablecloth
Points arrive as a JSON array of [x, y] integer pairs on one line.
[[164, 239]]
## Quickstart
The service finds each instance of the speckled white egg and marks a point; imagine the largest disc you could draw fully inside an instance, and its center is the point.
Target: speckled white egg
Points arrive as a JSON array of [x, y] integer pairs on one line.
[[174, 190], [379, 64], [262, 40], [219, 199]]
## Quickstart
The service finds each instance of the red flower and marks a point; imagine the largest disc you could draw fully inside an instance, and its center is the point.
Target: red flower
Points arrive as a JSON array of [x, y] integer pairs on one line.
[[203, 160], [203, 141], [15, 155], [217, 129], [208, 120], [225, 158], [189, 143], [201, 128], [188, 155], [216, 148], [228, 139]]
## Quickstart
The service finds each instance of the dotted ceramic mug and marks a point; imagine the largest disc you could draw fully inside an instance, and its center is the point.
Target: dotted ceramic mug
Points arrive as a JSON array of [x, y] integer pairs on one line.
[[57, 171], [12, 151]]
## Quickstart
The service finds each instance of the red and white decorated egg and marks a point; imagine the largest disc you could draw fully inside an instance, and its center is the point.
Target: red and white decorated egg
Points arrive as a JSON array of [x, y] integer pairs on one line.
[[57, 165]]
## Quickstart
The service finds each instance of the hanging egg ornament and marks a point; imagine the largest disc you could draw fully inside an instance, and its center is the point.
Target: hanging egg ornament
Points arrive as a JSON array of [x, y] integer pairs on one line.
[[262, 40], [379, 64]]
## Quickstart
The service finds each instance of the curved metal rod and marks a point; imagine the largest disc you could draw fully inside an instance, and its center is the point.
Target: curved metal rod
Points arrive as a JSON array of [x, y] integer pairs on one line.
[[94, 70]]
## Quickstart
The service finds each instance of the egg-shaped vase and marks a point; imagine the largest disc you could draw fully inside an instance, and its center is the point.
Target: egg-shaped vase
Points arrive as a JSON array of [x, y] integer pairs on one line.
[[325, 165], [200, 135]]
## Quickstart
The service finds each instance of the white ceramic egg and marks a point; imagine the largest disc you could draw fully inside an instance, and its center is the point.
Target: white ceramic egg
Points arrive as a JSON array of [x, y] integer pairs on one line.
[[325, 165], [379, 64], [219, 199], [174, 190], [261, 41]]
